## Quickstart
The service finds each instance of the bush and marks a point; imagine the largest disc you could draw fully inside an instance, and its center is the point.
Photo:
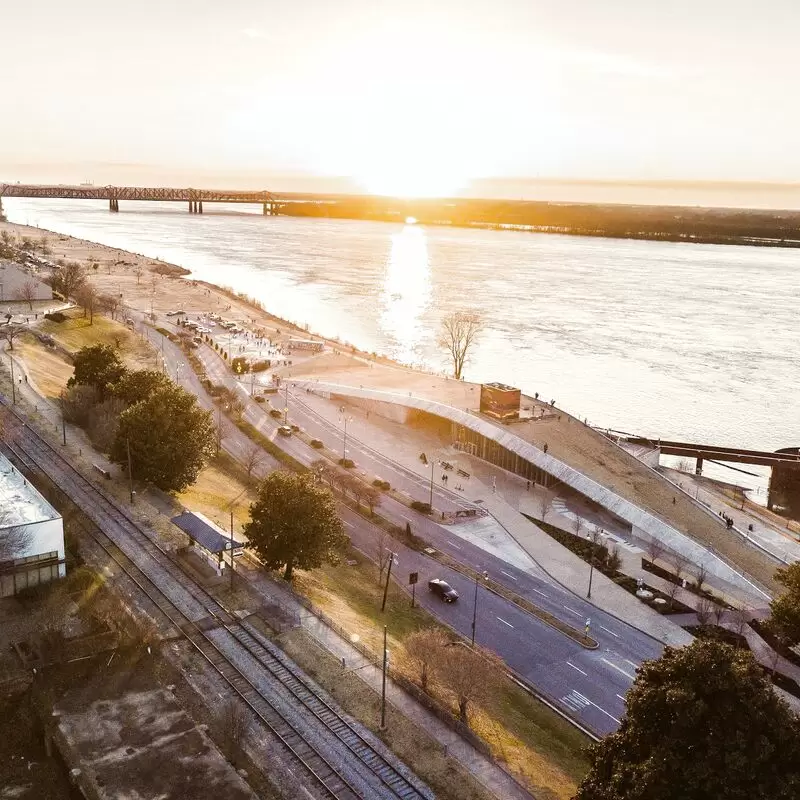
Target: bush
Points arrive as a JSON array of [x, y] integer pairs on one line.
[[260, 366], [317, 444], [273, 412], [347, 463], [381, 484], [423, 508], [56, 316], [239, 365]]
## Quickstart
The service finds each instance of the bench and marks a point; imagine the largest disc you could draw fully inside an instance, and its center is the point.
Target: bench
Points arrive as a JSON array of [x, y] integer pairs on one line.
[[104, 472]]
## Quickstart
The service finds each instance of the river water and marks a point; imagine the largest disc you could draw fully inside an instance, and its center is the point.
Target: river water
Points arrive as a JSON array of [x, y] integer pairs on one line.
[[689, 341]]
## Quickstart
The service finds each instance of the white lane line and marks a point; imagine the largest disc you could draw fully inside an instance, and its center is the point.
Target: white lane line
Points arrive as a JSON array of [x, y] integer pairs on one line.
[[632, 663], [406, 518], [619, 669], [576, 668], [608, 631], [457, 547], [541, 593], [580, 696], [573, 611], [508, 575], [505, 623], [349, 524], [621, 697]]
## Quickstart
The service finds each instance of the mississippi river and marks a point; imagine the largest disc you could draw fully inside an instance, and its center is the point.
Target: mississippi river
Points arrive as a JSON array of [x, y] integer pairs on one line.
[[698, 342]]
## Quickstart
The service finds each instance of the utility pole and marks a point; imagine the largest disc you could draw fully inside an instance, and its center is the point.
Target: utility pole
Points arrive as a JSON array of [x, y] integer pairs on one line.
[[383, 682], [430, 502], [388, 576], [591, 563], [344, 443], [231, 548], [130, 468], [286, 406], [63, 431], [13, 384], [475, 609]]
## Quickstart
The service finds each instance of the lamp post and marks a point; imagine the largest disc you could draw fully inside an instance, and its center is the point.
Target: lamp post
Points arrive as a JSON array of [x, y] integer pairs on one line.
[[430, 500], [591, 563], [13, 384], [383, 682], [346, 419], [231, 506], [130, 468], [475, 603], [392, 557]]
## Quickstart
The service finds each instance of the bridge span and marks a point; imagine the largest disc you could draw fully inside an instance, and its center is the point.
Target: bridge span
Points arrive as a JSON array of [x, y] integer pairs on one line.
[[194, 197]]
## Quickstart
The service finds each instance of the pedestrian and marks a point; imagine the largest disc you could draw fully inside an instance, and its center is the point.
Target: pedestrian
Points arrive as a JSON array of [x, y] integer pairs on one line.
[[545, 448], [528, 488]]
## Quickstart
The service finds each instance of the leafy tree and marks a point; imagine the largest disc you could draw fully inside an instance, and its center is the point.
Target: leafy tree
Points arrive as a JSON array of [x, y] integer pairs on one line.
[[701, 722], [68, 278], [459, 331], [98, 365], [138, 385], [294, 523], [171, 438], [785, 608]]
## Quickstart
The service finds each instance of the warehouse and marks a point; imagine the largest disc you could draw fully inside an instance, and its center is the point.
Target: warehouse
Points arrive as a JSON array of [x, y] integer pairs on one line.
[[31, 534]]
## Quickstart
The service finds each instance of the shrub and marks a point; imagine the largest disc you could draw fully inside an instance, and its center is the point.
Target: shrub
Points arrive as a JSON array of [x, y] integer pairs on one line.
[[273, 412], [260, 366], [423, 508], [381, 484], [317, 444], [239, 364], [347, 463], [56, 316]]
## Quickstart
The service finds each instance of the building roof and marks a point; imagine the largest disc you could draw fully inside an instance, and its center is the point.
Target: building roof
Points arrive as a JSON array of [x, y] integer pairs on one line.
[[205, 532], [20, 503]]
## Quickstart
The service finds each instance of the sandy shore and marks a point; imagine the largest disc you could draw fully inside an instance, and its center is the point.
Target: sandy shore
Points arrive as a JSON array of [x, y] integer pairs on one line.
[[147, 284]]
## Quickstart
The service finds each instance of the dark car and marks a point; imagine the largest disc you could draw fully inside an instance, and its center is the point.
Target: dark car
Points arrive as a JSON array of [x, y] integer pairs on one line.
[[443, 589]]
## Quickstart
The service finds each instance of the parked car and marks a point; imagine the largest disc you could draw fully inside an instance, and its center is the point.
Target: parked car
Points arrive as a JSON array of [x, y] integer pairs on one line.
[[443, 590], [285, 430], [174, 313], [259, 399]]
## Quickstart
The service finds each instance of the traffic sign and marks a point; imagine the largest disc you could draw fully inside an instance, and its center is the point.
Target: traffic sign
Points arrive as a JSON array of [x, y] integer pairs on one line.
[[413, 577]]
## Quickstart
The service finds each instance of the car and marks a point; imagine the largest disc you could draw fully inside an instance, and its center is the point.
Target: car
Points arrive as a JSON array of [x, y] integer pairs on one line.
[[174, 313], [442, 589], [259, 399], [285, 430]]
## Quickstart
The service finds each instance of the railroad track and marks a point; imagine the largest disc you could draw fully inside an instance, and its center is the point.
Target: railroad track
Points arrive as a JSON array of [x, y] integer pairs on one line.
[[228, 644]]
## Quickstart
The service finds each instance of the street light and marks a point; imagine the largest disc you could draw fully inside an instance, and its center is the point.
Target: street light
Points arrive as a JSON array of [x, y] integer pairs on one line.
[[344, 442], [231, 506], [383, 682], [392, 557], [485, 576], [591, 562]]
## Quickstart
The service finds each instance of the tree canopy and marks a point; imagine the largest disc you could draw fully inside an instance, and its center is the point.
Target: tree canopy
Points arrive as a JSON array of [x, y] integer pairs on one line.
[[785, 618], [294, 523], [98, 366], [702, 722], [138, 385], [171, 438]]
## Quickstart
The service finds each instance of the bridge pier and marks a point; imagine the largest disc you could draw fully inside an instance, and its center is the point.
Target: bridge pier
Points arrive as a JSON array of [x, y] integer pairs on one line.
[[199, 207], [698, 467], [113, 204]]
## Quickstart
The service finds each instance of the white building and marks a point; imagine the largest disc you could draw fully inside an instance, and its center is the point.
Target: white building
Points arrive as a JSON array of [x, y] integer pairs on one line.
[[31, 534], [13, 279]]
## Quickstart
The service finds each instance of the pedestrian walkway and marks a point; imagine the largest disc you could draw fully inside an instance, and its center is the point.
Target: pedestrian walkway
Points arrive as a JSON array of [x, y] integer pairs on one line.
[[486, 771]]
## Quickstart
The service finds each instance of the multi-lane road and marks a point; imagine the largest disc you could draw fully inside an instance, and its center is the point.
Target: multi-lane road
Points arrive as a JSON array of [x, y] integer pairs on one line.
[[588, 685]]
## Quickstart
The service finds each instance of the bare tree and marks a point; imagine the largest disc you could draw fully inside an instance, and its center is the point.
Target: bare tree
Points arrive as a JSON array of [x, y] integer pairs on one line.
[[324, 470], [546, 498], [459, 332], [253, 458], [578, 524], [13, 537], [69, 278], [704, 612], [678, 562], [233, 722], [237, 407], [684, 465], [110, 303], [10, 332], [138, 272], [469, 674], [700, 575], [424, 649], [87, 300], [740, 620], [27, 292], [372, 497], [655, 549], [718, 612], [772, 658]]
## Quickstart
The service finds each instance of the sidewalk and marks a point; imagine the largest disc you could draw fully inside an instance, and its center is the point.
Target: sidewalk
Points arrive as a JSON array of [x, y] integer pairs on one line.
[[484, 769]]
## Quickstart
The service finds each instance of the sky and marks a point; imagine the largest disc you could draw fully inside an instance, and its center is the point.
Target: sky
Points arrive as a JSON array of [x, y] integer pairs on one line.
[[401, 97]]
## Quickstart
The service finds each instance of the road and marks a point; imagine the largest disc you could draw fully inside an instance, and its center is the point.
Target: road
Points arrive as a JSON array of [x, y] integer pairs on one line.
[[589, 685]]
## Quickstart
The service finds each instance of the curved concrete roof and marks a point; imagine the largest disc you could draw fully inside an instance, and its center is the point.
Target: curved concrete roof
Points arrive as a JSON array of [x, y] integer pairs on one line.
[[624, 509]]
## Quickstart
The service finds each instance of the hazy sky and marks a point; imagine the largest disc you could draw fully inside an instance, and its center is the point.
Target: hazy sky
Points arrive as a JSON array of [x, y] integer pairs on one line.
[[407, 95]]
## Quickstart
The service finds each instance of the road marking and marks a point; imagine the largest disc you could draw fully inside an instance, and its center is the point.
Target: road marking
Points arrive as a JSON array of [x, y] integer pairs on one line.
[[621, 697], [632, 663], [608, 631], [573, 611], [505, 623], [508, 575], [619, 669], [349, 524], [576, 668], [541, 593], [589, 702], [406, 518], [457, 547]]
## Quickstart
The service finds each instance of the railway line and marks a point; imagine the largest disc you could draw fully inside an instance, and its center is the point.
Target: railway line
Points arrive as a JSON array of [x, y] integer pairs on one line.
[[336, 758]]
